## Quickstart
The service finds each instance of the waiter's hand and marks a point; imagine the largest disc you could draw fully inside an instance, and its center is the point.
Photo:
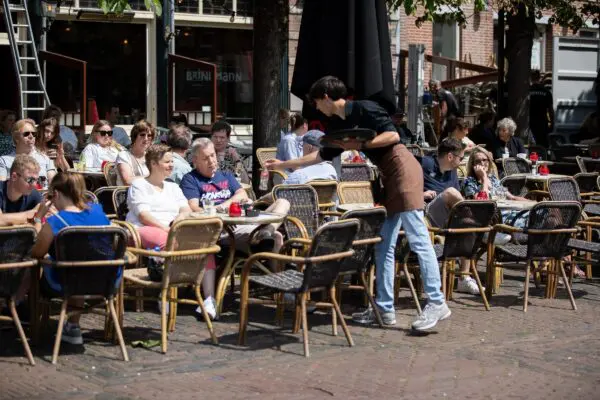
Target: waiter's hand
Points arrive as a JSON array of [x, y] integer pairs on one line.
[[350, 144], [273, 164]]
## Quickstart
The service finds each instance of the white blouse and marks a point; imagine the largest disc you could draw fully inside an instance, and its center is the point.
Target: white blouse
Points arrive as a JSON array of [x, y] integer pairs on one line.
[[94, 155], [163, 205], [138, 166]]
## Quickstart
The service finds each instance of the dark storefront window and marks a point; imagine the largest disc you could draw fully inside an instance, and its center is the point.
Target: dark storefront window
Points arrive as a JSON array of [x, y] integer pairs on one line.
[[116, 66], [217, 7], [231, 50]]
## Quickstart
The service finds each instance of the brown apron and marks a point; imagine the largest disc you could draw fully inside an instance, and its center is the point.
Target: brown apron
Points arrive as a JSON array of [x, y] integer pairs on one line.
[[402, 178]]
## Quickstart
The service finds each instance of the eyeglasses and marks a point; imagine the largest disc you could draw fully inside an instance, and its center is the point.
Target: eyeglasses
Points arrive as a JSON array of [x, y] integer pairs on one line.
[[145, 135], [31, 180], [481, 161], [27, 133], [104, 133]]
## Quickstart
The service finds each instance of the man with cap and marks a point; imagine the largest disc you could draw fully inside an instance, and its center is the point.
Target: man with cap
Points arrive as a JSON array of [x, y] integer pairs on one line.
[[311, 143]]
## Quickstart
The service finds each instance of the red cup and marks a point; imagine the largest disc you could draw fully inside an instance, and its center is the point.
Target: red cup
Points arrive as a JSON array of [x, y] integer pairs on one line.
[[544, 170], [481, 196], [595, 154], [235, 210], [533, 157], [103, 164]]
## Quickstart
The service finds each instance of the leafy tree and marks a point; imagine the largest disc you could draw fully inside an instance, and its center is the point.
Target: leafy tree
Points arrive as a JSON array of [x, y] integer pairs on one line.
[[118, 6], [520, 18]]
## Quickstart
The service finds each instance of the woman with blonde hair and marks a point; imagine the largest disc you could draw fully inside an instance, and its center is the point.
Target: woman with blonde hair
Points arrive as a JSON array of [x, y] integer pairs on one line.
[[48, 142], [131, 164], [102, 147], [67, 195]]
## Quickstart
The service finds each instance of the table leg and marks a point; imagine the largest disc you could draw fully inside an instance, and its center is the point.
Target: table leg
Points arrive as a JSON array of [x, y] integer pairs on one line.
[[227, 271]]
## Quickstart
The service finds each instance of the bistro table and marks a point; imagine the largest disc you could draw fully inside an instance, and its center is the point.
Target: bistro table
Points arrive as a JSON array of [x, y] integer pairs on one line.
[[94, 177], [229, 224], [518, 205], [355, 206]]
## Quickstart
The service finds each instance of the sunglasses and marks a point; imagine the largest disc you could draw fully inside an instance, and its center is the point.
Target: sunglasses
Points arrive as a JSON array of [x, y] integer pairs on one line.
[[104, 133], [27, 133], [482, 161], [31, 180], [145, 135]]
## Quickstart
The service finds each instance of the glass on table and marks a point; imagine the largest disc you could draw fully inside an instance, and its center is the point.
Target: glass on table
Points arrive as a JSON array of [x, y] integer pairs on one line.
[[208, 206]]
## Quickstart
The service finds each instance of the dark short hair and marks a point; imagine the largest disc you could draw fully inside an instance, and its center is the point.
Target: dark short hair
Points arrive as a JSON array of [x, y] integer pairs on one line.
[[450, 145], [52, 111], [536, 75], [297, 120], [140, 127], [221, 126], [329, 85], [179, 137], [155, 153]]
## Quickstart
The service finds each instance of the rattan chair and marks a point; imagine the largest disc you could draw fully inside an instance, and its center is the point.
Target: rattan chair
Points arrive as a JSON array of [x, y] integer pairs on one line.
[[567, 189], [588, 183], [326, 193], [354, 172], [464, 235], [361, 263], [270, 153], [188, 244], [355, 192], [90, 197], [549, 229], [119, 199], [581, 164], [15, 256], [516, 185], [587, 164], [415, 149], [110, 173], [105, 199], [331, 244], [89, 260], [515, 165], [302, 220]]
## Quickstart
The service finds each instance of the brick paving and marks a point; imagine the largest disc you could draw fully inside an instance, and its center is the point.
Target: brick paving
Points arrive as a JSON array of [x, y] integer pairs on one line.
[[550, 352]]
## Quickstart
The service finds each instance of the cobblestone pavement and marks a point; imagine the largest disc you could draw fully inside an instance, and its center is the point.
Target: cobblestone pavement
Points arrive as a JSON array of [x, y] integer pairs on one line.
[[550, 352]]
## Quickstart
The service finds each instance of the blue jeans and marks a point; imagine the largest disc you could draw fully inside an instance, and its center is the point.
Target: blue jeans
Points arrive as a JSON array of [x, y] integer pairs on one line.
[[420, 243]]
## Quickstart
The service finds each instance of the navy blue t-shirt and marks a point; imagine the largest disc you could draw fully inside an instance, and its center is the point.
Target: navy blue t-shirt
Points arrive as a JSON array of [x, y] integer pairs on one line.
[[220, 188], [24, 203], [436, 180]]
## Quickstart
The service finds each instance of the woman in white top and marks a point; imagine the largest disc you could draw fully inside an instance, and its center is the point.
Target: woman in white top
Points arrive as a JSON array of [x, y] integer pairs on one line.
[[154, 204], [102, 147], [131, 164]]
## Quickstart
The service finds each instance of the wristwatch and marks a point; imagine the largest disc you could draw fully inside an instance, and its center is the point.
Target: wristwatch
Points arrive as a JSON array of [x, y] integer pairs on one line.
[[37, 220]]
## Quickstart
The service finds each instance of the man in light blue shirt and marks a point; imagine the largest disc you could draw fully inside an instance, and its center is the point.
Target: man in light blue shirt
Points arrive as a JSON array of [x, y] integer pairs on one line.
[[311, 143]]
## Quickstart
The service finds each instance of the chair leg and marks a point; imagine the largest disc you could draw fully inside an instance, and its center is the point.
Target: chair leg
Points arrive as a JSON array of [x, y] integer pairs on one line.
[[244, 288], [139, 303], [445, 280], [305, 323], [172, 309], [412, 288], [334, 330], [163, 320], [481, 291], [297, 315], [206, 316], [17, 321], [279, 298], [526, 294], [567, 285], [343, 322], [61, 321], [115, 318], [371, 300]]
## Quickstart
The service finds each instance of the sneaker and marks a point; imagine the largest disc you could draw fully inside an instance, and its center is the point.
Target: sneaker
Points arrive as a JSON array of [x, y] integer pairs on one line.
[[432, 313], [71, 334], [368, 317], [468, 285], [209, 306]]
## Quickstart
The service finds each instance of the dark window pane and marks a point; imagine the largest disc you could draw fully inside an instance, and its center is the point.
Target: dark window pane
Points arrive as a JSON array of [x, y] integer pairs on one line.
[[217, 7]]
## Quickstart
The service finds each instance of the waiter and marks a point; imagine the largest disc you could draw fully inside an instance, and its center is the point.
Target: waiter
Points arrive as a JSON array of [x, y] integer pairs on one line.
[[402, 179]]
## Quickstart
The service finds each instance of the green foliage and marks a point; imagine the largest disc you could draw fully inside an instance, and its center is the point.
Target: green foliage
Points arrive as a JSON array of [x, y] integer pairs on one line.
[[566, 13], [118, 6]]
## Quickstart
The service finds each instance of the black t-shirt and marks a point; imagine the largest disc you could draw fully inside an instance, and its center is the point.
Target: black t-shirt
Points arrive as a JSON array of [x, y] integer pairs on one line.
[[514, 145], [361, 114], [451, 102], [24, 203], [436, 180], [540, 101]]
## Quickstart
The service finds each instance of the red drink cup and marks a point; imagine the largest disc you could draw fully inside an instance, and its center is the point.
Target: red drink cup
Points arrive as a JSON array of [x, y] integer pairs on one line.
[[235, 210]]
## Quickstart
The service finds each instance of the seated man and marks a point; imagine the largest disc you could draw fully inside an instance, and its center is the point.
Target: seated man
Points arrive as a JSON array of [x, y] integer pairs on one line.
[[311, 143], [206, 182], [18, 198], [442, 192]]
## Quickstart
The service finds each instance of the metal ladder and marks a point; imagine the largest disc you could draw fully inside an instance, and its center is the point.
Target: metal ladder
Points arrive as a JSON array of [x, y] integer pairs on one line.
[[33, 97]]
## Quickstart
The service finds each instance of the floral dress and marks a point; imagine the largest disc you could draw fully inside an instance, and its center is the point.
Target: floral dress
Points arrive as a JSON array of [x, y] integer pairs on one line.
[[230, 161]]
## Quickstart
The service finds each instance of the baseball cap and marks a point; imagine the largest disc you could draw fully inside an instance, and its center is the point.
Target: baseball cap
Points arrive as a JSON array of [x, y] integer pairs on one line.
[[313, 137]]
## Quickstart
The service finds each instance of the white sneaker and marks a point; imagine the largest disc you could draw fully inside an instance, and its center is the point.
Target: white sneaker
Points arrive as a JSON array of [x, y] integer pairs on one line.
[[432, 313], [209, 306], [468, 285]]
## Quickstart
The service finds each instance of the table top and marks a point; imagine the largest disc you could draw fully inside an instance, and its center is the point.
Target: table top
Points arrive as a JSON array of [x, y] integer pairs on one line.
[[586, 159], [262, 219], [91, 172], [541, 177], [355, 206], [515, 204]]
